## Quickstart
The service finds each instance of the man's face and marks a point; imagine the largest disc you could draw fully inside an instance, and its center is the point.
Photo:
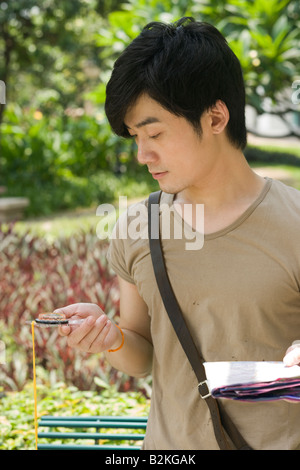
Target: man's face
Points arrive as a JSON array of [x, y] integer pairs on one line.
[[176, 156]]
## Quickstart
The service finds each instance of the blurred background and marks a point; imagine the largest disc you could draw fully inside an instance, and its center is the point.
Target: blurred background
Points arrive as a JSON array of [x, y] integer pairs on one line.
[[59, 159]]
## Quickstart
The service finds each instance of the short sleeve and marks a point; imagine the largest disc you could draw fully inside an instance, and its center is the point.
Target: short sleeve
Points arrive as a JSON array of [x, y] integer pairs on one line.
[[116, 254]]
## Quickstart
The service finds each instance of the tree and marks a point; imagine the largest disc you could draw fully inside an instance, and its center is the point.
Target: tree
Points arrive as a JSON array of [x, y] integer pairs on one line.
[[47, 49], [265, 35]]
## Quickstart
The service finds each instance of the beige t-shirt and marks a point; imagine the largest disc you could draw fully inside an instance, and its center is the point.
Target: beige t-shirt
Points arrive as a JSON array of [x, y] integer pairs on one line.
[[240, 297]]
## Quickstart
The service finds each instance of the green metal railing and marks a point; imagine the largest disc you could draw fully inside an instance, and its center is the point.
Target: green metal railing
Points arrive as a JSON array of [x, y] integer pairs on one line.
[[99, 424]]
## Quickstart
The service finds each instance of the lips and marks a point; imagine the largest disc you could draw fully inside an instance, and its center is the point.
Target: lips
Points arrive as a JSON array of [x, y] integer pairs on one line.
[[158, 174]]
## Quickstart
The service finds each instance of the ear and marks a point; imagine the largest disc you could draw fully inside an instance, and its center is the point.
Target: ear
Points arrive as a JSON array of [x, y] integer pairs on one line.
[[219, 116]]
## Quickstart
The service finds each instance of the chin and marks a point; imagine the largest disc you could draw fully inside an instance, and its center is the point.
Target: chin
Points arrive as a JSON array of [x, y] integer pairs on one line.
[[168, 189]]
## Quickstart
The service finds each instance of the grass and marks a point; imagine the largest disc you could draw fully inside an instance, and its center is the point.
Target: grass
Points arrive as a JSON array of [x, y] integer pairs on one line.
[[65, 224], [61, 225]]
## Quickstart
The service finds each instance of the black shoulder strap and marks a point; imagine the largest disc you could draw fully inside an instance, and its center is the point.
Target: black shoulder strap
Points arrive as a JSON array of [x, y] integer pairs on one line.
[[180, 327]]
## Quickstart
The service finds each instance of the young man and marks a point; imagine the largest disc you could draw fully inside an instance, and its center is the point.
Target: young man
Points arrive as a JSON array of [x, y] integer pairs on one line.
[[178, 91]]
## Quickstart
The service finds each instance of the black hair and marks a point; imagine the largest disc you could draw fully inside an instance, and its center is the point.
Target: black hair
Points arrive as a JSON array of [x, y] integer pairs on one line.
[[186, 67]]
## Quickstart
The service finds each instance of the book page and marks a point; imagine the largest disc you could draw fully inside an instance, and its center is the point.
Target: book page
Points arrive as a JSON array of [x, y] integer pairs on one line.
[[220, 374]]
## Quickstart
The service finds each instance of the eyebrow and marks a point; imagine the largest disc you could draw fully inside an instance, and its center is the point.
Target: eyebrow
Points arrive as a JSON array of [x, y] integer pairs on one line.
[[145, 122]]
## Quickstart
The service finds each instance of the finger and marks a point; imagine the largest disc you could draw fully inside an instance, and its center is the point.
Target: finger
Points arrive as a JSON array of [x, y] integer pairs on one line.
[[87, 342], [77, 336], [292, 358], [84, 337], [64, 330], [99, 342], [73, 309], [82, 310]]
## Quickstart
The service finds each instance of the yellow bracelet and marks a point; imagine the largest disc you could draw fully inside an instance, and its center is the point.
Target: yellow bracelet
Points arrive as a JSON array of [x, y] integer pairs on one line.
[[114, 350]]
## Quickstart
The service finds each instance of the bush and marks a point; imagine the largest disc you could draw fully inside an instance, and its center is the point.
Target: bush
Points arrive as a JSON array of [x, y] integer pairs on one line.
[[40, 276], [31, 167], [17, 409], [272, 157], [59, 162]]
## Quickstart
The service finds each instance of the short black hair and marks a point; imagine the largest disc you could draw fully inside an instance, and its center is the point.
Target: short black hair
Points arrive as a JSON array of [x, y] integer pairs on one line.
[[186, 67]]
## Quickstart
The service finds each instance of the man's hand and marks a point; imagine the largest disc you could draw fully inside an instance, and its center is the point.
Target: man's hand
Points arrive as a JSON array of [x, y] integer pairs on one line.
[[292, 355], [96, 334]]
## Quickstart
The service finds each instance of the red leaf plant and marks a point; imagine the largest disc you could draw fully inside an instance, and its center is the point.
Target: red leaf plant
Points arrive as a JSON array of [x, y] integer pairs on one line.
[[39, 276]]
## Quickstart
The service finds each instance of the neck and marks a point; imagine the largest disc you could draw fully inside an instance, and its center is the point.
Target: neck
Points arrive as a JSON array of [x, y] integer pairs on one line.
[[226, 192], [229, 182]]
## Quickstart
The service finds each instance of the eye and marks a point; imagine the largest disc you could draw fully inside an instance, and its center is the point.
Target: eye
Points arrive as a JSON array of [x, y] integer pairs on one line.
[[155, 136]]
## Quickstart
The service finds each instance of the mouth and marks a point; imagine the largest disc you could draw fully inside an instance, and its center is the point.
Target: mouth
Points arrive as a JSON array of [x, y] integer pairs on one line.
[[158, 174]]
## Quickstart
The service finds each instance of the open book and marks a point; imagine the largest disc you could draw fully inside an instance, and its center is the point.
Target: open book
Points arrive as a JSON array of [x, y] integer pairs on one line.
[[253, 381]]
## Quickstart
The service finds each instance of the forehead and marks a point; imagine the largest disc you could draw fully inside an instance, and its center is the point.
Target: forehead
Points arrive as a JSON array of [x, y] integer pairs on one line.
[[145, 111]]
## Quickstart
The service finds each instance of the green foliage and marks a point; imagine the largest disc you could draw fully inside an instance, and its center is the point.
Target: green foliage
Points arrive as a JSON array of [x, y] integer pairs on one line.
[[61, 162], [17, 409], [276, 157], [265, 36], [47, 146], [56, 146], [46, 46]]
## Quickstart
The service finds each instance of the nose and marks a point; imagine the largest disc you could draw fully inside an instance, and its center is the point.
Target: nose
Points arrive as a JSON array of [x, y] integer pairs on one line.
[[145, 154]]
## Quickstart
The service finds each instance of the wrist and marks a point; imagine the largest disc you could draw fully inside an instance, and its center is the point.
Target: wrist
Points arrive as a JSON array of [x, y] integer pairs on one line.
[[118, 344]]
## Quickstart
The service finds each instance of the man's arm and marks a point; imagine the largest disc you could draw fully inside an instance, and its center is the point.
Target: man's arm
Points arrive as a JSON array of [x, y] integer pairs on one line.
[[135, 357], [98, 334]]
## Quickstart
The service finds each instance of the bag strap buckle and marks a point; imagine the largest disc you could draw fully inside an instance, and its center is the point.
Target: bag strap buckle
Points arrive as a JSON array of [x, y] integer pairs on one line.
[[204, 390]]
